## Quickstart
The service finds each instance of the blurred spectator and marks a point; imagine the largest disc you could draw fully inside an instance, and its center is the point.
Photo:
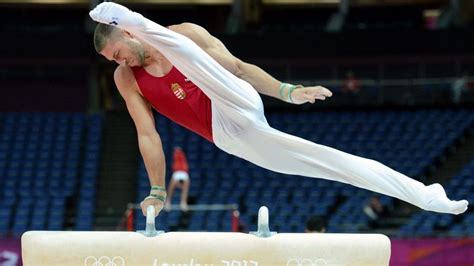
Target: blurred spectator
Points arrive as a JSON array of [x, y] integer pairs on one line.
[[179, 179], [374, 209], [315, 224], [459, 86], [351, 84]]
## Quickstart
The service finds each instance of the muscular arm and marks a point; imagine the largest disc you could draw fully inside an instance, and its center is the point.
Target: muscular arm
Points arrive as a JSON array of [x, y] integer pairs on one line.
[[149, 140], [263, 82], [257, 77]]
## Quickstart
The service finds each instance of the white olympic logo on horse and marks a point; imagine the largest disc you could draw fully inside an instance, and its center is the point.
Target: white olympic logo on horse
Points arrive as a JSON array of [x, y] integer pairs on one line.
[[306, 262], [104, 261]]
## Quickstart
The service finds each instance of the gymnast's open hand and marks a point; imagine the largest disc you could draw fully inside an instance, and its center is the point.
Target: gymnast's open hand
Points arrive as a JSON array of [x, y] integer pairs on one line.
[[309, 94]]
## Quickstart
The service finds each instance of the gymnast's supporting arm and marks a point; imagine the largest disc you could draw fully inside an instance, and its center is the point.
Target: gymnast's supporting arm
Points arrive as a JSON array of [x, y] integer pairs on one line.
[[149, 140]]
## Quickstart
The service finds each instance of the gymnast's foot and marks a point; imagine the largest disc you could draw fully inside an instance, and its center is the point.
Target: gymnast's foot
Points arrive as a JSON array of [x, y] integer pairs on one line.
[[116, 15], [439, 202]]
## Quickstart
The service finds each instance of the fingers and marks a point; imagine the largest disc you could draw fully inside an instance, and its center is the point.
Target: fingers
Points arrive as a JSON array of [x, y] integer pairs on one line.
[[144, 210], [323, 91], [310, 99], [326, 92], [311, 94], [157, 210], [142, 205], [320, 97]]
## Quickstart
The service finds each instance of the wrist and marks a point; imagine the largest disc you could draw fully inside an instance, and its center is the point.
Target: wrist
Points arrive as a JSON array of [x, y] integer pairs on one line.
[[161, 198], [158, 192], [291, 90], [286, 91], [157, 189], [282, 91]]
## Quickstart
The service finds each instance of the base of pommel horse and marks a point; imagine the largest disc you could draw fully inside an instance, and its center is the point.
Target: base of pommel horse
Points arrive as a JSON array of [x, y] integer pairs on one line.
[[202, 248]]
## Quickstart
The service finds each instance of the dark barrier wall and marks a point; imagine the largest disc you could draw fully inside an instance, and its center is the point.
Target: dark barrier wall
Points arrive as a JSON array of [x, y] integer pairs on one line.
[[270, 45], [46, 54]]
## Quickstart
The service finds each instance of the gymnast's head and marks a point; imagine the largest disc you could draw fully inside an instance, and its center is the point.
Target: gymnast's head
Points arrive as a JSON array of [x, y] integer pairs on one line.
[[118, 45]]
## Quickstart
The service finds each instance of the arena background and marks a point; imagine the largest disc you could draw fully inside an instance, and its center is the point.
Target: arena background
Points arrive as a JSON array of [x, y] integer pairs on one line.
[[69, 158]]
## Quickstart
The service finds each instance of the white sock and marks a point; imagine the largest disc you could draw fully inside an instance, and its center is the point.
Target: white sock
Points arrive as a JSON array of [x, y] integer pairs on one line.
[[116, 15], [439, 202]]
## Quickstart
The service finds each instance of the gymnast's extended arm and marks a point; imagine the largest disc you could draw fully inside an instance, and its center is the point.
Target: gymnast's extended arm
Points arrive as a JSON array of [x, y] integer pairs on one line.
[[148, 138], [263, 82]]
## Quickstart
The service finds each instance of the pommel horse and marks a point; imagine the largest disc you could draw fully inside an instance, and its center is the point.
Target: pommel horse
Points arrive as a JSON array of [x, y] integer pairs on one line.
[[156, 248]]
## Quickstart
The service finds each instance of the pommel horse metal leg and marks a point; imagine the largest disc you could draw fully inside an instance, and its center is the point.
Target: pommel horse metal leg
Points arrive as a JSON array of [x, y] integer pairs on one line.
[[150, 229], [263, 229]]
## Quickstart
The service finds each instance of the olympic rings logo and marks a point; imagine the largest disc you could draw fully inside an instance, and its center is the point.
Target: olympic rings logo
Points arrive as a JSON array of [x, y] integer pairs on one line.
[[104, 261], [306, 262]]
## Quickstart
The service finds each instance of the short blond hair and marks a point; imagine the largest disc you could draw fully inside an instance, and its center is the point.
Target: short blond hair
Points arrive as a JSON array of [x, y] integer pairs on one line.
[[102, 34]]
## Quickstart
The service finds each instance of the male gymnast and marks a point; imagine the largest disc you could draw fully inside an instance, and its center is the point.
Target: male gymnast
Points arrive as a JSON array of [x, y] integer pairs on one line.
[[189, 76]]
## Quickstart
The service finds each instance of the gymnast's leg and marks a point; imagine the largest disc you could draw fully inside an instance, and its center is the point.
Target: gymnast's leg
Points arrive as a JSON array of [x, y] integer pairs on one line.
[[284, 153]]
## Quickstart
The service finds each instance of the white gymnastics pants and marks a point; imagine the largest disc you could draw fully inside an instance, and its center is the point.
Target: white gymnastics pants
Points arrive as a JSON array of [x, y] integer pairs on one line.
[[240, 128]]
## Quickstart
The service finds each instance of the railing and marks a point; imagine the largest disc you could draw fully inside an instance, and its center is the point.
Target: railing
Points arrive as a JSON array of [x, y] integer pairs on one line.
[[127, 221]]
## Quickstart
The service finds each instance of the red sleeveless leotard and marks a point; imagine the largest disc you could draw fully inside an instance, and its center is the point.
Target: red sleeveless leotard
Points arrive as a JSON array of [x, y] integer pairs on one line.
[[177, 98]]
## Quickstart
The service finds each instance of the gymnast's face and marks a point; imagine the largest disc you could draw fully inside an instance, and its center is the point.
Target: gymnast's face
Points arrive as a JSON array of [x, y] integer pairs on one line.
[[124, 49]]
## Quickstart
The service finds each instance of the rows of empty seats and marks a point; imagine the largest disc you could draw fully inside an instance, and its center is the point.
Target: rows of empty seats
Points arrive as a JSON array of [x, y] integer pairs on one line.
[[408, 141], [49, 164], [45, 160]]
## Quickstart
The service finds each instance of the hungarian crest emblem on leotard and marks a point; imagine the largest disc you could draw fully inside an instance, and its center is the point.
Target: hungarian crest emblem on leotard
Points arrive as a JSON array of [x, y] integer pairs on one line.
[[178, 91]]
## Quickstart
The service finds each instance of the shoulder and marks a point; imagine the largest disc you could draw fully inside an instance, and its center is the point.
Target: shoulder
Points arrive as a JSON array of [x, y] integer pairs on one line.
[[123, 75], [194, 32], [185, 27], [197, 34], [124, 79]]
